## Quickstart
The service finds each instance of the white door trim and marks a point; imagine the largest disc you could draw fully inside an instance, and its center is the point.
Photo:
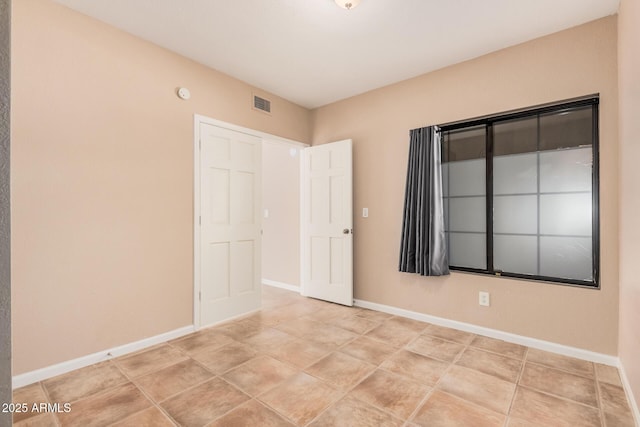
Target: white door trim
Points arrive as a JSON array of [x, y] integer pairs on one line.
[[197, 121]]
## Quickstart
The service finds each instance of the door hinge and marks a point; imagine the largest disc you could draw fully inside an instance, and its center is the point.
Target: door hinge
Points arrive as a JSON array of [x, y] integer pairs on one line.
[[199, 295], [200, 144], [200, 220]]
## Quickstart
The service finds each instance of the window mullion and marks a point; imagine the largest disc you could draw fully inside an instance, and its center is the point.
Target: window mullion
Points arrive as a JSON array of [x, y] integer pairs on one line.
[[489, 195]]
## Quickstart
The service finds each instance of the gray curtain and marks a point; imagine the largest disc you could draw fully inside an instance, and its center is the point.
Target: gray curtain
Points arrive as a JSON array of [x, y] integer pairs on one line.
[[423, 247]]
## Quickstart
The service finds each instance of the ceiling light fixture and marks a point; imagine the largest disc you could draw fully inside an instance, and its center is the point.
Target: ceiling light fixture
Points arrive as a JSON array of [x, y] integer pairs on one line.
[[347, 4]]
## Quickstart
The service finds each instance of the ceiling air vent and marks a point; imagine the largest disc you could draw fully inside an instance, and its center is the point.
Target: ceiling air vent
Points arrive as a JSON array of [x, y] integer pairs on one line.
[[261, 104]]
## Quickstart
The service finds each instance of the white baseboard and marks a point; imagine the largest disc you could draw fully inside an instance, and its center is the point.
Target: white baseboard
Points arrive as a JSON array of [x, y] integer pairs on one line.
[[630, 397], [494, 333], [70, 365], [281, 285]]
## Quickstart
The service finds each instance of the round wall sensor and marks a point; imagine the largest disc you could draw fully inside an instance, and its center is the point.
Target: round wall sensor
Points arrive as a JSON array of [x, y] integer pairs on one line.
[[184, 93]]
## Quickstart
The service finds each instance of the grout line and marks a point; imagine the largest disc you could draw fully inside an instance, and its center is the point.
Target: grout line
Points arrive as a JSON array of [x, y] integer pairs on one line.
[[523, 362], [599, 397], [566, 371]]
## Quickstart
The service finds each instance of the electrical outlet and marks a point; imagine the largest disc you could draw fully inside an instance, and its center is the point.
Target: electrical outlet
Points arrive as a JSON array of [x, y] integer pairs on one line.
[[483, 299], [365, 212]]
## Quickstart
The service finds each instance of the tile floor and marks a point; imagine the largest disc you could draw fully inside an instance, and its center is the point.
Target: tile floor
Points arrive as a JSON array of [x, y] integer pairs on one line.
[[303, 362]]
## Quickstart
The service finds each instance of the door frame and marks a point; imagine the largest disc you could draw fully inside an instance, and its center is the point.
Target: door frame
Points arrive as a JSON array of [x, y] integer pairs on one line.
[[197, 121]]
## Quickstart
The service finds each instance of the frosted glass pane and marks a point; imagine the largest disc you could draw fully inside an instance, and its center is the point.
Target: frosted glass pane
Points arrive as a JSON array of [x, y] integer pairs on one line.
[[517, 173], [565, 214], [467, 250], [467, 214], [566, 257], [566, 170], [467, 178], [445, 179], [515, 214], [516, 254]]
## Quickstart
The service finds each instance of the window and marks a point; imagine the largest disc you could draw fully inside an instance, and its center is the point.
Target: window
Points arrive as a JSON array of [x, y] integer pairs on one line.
[[521, 193]]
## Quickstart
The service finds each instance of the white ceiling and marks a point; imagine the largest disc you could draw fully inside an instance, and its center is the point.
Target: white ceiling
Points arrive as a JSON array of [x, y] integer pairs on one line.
[[313, 53]]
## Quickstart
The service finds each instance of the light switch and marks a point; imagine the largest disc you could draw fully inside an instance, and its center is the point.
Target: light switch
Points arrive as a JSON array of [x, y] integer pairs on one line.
[[365, 212], [266, 213]]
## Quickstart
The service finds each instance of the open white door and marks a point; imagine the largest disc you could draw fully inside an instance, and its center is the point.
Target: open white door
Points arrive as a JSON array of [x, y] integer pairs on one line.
[[230, 227], [327, 222]]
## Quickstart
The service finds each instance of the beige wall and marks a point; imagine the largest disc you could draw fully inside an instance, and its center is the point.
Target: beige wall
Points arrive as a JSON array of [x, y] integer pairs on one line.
[[629, 89], [281, 196], [572, 63], [102, 171]]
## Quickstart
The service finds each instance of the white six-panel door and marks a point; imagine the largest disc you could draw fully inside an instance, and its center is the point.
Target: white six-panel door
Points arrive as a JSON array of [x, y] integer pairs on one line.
[[230, 227], [327, 222]]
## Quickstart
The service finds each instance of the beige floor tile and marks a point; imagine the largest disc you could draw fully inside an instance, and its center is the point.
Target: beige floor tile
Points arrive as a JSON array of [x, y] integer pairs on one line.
[[503, 348], [482, 389], [28, 395], [436, 348], [152, 417], [558, 361], [450, 334], [547, 410], [301, 327], [300, 352], [221, 360], [394, 333], [517, 422], [619, 420], [354, 323], [608, 374], [490, 363], [340, 370], [268, 338], [240, 329], [272, 317], [42, 420], [410, 324], [172, 380], [351, 412], [614, 399], [416, 366], [207, 339], [259, 375], [376, 316], [560, 383], [301, 398], [105, 408], [332, 336], [393, 393], [369, 350], [299, 308], [332, 311], [145, 362], [84, 382], [445, 410], [311, 305], [204, 403], [251, 413]]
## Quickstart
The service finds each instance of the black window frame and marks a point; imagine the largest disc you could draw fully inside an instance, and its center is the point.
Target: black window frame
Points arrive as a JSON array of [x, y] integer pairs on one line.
[[488, 122]]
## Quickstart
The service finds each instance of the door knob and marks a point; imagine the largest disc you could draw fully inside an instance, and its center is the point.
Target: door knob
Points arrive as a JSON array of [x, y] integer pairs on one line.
[[346, 231]]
